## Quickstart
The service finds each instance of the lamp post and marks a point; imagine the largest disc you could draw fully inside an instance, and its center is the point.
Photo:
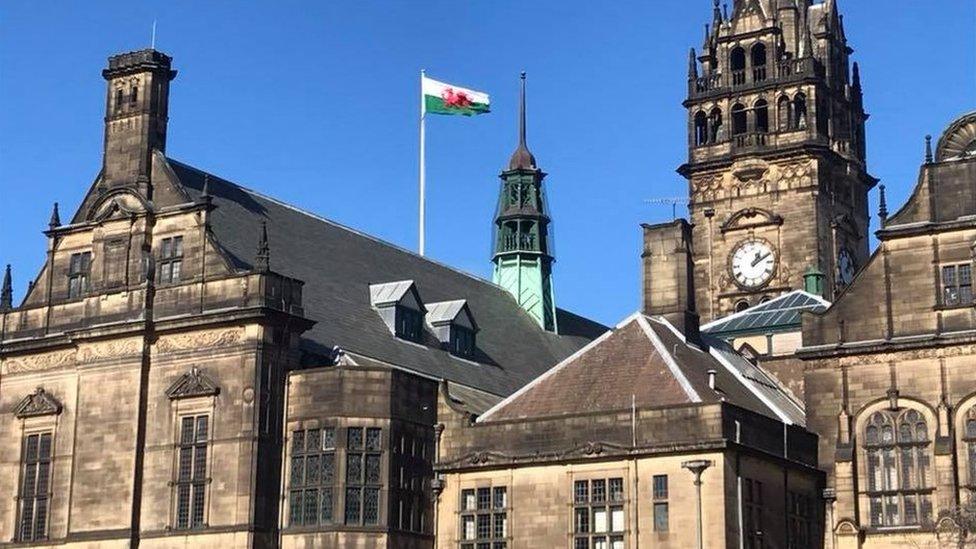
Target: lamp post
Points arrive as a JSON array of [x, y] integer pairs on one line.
[[697, 467]]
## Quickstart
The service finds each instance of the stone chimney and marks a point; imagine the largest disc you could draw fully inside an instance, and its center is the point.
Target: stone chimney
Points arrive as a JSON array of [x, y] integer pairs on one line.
[[669, 276], [136, 115]]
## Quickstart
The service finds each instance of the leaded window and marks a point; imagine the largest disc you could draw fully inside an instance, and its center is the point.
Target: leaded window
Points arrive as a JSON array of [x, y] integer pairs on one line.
[[484, 517], [409, 323], [899, 483], [312, 477], [969, 440], [171, 260], [753, 508], [364, 482], [412, 468], [957, 285], [79, 274], [35, 487], [660, 497], [598, 514], [462, 341], [191, 477]]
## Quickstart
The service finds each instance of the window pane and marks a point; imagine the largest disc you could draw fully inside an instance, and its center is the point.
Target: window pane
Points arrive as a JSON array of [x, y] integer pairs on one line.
[[616, 489], [313, 470], [328, 468], [600, 523], [660, 487], [500, 525], [582, 543], [202, 429], [328, 438], [484, 526], [297, 471], [500, 498], [186, 431], [355, 438], [373, 439], [617, 519], [484, 498], [298, 442], [198, 495], [599, 490], [40, 518], [467, 500], [178, 246], [353, 505], [371, 506], [581, 491], [617, 542], [660, 517], [354, 468], [183, 506], [327, 507], [373, 468], [582, 521], [467, 527], [295, 507]]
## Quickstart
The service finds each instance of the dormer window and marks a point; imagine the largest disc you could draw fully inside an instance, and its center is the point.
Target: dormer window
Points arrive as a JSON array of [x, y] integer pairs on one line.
[[400, 307], [454, 325], [79, 274], [171, 260]]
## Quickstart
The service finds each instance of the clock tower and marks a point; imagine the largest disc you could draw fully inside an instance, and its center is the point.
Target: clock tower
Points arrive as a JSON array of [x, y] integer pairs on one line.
[[776, 164]]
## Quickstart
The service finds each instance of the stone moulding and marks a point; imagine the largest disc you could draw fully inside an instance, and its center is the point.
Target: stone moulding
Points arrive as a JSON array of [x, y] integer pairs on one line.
[[36, 363], [199, 340], [192, 384], [40, 403]]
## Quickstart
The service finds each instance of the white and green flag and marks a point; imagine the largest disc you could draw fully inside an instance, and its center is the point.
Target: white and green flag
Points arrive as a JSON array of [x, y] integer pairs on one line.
[[441, 98]]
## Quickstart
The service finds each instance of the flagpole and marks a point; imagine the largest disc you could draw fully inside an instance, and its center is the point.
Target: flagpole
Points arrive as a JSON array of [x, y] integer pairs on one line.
[[423, 165]]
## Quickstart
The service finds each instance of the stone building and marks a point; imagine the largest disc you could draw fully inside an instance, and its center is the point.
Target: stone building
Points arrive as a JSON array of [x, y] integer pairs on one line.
[[651, 436], [199, 365], [776, 158], [890, 370]]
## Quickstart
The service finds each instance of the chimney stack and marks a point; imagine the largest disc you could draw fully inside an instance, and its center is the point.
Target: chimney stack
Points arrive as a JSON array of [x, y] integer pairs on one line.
[[669, 276]]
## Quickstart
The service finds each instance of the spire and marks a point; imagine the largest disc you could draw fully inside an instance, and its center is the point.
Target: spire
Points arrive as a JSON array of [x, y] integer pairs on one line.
[[205, 194], [928, 149], [716, 14], [522, 159], [883, 205], [692, 65], [262, 260], [7, 291], [856, 76], [55, 221]]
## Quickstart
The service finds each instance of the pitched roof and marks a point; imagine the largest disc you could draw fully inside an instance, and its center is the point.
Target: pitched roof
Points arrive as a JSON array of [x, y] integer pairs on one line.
[[339, 264], [646, 362], [779, 314]]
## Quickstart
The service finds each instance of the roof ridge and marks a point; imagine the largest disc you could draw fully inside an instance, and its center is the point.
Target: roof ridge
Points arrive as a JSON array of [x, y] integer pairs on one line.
[[672, 365], [338, 225]]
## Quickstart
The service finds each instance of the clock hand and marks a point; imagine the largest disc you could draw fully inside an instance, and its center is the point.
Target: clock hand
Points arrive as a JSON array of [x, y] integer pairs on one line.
[[759, 259]]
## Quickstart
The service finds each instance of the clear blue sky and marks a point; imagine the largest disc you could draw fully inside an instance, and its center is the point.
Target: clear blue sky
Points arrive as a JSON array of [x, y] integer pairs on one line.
[[316, 103]]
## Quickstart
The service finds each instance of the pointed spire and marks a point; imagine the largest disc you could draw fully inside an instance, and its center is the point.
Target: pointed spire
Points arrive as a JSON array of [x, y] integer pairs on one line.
[[856, 76], [262, 260], [883, 205], [7, 291], [205, 194], [692, 65], [725, 12], [716, 14], [928, 150], [522, 159], [806, 47], [55, 221]]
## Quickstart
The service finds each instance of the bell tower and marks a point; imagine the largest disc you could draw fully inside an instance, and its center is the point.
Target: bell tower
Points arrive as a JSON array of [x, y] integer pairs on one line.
[[136, 114], [776, 165], [522, 254]]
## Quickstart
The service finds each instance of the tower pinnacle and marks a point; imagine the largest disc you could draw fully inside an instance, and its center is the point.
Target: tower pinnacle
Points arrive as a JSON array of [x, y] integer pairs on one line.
[[7, 291], [522, 158]]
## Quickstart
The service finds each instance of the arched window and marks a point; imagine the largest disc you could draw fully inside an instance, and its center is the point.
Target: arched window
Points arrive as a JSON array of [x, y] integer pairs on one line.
[[898, 468], [134, 94], [783, 114], [969, 441], [737, 63], [701, 128], [739, 120], [759, 62], [800, 111], [119, 98], [762, 116], [715, 125], [741, 306]]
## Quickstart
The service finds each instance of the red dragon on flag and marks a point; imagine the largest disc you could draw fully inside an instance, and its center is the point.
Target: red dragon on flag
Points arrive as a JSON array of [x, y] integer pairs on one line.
[[456, 99]]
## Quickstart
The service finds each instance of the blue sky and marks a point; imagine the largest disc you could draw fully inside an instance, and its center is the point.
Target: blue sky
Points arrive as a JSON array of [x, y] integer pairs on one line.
[[316, 103]]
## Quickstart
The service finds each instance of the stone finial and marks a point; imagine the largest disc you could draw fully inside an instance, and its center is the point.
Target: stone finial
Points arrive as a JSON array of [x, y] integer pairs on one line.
[[928, 149], [717, 13], [7, 291], [55, 221], [262, 260], [857, 76], [725, 12], [882, 205], [692, 64], [205, 194]]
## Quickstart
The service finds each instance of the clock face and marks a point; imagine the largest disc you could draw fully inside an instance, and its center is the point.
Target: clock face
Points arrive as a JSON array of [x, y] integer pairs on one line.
[[753, 263], [846, 269]]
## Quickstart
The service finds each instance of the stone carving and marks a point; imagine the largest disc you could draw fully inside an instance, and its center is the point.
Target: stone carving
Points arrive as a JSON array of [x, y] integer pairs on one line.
[[111, 349], [200, 340], [192, 384], [40, 403], [37, 363]]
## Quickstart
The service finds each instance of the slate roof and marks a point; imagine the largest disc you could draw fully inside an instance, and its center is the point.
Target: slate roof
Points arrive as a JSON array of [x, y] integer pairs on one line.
[[777, 315], [445, 311], [647, 362], [339, 264]]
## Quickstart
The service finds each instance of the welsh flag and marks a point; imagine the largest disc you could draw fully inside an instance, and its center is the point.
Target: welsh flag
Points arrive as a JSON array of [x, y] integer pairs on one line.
[[441, 98]]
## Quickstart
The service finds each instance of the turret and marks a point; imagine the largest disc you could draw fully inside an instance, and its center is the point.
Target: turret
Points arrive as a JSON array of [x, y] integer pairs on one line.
[[7, 291]]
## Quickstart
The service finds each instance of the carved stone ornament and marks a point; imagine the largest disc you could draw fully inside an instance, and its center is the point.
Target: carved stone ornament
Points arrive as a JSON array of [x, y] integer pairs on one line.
[[41, 403], [205, 340], [36, 363], [111, 349], [193, 384]]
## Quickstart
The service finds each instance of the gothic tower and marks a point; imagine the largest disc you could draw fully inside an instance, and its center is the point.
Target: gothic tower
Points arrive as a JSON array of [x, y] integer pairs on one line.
[[776, 162], [522, 252], [135, 118]]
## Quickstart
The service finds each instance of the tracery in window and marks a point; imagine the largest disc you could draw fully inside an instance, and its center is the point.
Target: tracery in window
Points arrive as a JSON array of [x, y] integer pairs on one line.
[[898, 463]]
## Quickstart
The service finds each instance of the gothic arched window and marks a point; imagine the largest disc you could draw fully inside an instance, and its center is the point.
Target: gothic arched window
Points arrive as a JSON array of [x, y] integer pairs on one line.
[[715, 125], [759, 62], [898, 468], [800, 111], [737, 63], [739, 120], [701, 128], [783, 114], [119, 98], [969, 442], [761, 110]]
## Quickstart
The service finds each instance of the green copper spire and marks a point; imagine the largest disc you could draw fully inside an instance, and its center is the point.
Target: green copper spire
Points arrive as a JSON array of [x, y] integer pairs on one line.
[[522, 252]]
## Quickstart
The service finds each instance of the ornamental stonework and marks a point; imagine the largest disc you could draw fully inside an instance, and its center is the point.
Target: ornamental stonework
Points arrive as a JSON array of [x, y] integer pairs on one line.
[[199, 340], [107, 350], [39, 362]]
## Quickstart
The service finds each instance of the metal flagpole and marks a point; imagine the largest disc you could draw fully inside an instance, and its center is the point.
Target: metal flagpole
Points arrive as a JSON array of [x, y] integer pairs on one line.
[[423, 166]]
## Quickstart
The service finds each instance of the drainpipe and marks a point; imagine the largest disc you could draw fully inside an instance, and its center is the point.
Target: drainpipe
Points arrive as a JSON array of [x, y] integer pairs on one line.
[[697, 467]]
